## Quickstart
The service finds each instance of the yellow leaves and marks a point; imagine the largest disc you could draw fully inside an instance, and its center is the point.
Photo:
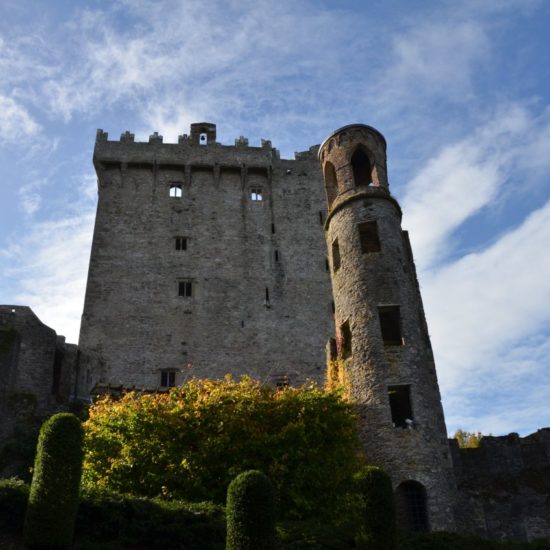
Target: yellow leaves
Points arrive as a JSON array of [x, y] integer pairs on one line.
[[189, 442]]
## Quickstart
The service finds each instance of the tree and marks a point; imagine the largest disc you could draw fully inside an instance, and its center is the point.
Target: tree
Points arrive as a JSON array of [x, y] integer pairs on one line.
[[53, 498], [191, 442], [468, 440]]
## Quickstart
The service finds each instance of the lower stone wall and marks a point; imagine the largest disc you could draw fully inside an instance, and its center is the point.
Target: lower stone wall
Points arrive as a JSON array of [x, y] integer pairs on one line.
[[504, 486]]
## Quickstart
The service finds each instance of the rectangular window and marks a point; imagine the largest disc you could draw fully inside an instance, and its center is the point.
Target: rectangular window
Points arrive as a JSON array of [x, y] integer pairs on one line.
[[273, 228], [276, 255], [321, 217], [185, 289], [400, 405], [256, 194], [345, 340], [335, 256], [390, 325], [181, 243], [168, 378], [282, 380], [368, 236]]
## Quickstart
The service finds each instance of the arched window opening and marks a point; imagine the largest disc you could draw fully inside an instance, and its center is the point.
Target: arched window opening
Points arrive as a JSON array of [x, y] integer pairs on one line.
[[175, 191], [411, 506], [331, 184], [362, 170]]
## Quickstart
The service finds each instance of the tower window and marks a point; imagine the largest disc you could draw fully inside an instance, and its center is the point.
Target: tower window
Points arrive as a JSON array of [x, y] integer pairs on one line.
[[203, 138], [276, 255], [361, 166], [331, 185], [390, 325], [185, 289], [368, 236], [335, 256], [168, 378], [181, 243], [321, 217], [273, 228], [175, 191], [256, 194], [345, 340], [400, 405]]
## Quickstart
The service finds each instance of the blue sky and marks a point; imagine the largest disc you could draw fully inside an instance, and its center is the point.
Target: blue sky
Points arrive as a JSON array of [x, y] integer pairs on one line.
[[460, 89]]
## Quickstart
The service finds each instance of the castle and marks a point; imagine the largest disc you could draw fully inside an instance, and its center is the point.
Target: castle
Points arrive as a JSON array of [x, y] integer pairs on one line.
[[208, 259]]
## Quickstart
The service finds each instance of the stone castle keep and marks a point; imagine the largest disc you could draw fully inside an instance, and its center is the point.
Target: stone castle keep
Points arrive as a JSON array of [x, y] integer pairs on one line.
[[210, 259]]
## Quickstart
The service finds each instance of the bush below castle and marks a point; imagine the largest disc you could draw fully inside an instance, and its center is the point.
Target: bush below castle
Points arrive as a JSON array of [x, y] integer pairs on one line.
[[191, 442]]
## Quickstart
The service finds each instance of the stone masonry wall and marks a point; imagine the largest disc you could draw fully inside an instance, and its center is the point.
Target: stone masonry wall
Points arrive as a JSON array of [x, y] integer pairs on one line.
[[504, 486], [260, 303]]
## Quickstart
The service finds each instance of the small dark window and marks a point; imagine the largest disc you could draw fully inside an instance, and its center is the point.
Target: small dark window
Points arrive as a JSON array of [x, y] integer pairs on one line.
[[321, 217], [360, 164], [345, 340], [332, 307], [368, 236], [276, 255], [390, 325], [168, 378], [256, 194], [185, 288], [400, 405], [282, 380], [181, 243], [175, 191], [335, 256], [411, 506], [266, 294], [326, 264], [273, 228]]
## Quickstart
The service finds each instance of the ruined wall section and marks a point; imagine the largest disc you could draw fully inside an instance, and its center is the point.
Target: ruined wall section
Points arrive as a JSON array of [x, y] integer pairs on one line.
[[36, 367], [504, 486], [260, 298]]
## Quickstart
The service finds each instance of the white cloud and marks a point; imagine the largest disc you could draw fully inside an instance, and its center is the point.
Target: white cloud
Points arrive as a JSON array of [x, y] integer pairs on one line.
[[438, 57], [487, 314], [466, 176], [15, 121], [52, 264]]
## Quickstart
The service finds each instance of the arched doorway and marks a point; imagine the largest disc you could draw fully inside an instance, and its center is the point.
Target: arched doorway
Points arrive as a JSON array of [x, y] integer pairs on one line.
[[411, 506]]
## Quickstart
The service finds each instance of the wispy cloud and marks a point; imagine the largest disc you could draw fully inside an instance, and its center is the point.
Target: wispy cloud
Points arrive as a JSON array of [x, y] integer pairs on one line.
[[15, 121], [466, 176]]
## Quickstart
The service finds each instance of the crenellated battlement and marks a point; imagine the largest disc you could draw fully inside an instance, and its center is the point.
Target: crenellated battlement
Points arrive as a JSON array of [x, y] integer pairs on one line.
[[199, 147]]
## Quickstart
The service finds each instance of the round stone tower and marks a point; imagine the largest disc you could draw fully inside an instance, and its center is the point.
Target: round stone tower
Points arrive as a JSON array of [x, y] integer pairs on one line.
[[382, 346]]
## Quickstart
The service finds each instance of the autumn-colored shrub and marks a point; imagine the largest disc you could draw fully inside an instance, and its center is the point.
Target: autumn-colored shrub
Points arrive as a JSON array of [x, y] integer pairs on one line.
[[53, 498], [250, 512], [191, 442]]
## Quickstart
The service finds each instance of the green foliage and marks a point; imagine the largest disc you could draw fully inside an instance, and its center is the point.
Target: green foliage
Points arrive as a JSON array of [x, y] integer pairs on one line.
[[53, 498], [377, 531], [110, 519], [250, 512], [191, 442], [13, 502], [468, 440]]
